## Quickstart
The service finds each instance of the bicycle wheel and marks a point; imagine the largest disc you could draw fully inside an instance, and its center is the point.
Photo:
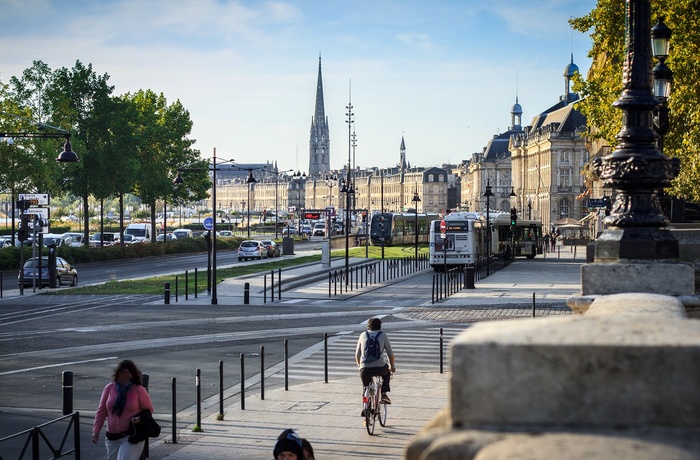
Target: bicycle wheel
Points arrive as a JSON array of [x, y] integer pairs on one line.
[[370, 412], [382, 412]]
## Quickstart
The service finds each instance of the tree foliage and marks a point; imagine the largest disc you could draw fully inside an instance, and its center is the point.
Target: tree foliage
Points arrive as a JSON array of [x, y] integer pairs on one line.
[[603, 85]]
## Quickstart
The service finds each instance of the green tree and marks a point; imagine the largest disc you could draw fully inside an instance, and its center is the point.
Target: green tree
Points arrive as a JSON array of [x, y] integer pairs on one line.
[[162, 146], [603, 85], [82, 100]]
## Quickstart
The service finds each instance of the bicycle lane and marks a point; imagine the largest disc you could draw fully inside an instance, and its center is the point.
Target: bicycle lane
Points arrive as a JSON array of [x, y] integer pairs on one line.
[[327, 414]]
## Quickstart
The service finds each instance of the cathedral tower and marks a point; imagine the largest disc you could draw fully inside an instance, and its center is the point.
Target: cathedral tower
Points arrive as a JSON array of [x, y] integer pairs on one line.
[[319, 141]]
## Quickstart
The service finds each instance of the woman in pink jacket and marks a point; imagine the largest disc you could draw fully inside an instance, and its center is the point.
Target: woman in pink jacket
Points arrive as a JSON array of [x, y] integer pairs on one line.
[[121, 401]]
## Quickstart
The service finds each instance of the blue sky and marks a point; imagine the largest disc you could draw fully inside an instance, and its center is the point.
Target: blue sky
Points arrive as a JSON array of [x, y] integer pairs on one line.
[[442, 73]]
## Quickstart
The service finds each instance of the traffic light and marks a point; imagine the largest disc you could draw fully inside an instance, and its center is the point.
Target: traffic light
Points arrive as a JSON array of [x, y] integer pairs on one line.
[[364, 217], [513, 217], [23, 232]]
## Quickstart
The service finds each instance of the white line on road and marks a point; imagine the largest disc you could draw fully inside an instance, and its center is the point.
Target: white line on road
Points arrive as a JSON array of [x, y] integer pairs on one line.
[[29, 369]]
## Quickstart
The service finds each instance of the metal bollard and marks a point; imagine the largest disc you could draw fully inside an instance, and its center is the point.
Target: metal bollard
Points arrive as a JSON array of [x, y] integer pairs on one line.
[[242, 381], [265, 289], [279, 284], [533, 304], [325, 356], [195, 282], [173, 386], [177, 288], [262, 372], [221, 389], [187, 285], [441, 351], [67, 385], [166, 294], [246, 293], [286, 365], [198, 387], [145, 378]]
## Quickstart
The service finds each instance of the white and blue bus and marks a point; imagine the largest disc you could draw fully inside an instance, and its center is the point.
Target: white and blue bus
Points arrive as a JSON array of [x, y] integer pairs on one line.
[[463, 242]]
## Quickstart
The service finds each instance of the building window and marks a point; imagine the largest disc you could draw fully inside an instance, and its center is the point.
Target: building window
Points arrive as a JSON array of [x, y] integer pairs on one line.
[[564, 208], [431, 178], [565, 177], [565, 156], [440, 178]]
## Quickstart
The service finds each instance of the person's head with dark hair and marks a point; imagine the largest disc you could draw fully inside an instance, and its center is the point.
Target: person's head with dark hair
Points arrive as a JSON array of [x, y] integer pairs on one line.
[[125, 366], [374, 324], [308, 450], [288, 446]]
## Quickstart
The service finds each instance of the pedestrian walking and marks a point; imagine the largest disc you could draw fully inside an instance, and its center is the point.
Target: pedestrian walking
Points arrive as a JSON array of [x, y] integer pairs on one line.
[[288, 446], [121, 403]]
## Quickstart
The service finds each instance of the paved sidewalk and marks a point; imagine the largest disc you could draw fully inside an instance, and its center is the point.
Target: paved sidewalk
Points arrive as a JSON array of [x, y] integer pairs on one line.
[[327, 414]]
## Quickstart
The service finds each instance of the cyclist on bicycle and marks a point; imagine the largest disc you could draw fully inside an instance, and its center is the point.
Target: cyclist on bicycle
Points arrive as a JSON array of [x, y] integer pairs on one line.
[[375, 365]]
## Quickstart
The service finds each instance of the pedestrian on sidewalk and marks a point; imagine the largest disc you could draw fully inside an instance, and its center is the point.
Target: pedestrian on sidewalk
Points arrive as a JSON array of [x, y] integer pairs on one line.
[[288, 446], [369, 356], [121, 401]]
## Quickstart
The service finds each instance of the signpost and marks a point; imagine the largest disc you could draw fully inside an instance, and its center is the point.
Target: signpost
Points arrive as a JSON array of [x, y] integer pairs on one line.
[[443, 235], [208, 223]]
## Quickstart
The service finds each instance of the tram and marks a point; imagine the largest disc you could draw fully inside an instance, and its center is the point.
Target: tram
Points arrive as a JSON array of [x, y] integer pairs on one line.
[[524, 239], [399, 228]]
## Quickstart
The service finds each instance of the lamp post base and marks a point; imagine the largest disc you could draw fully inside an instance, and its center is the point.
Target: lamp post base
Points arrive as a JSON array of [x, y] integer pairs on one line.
[[636, 243]]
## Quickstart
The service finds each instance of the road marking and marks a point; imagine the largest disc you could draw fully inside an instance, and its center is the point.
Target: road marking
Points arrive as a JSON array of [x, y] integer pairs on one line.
[[38, 368]]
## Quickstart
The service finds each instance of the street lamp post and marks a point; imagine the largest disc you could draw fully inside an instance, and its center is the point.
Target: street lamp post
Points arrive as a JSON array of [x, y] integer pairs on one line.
[[178, 180], [529, 209], [250, 180], [416, 200], [637, 169], [488, 194], [348, 190]]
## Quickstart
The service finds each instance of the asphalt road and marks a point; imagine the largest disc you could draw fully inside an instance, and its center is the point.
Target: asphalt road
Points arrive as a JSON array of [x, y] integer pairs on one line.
[[42, 336]]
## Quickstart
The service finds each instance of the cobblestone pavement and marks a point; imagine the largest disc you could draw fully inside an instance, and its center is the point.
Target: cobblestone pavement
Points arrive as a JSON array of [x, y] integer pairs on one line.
[[475, 314]]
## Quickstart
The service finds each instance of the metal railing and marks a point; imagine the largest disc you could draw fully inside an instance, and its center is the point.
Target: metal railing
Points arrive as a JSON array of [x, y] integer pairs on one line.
[[32, 444], [360, 276], [449, 282]]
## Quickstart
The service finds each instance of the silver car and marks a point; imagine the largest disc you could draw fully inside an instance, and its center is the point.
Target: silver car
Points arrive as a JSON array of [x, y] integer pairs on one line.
[[252, 249]]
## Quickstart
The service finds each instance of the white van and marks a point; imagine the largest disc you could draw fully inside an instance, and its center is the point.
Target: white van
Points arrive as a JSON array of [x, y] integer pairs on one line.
[[182, 233], [140, 232]]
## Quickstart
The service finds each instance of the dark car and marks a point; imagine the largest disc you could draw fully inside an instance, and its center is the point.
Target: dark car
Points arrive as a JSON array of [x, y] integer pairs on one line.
[[272, 249], [65, 272]]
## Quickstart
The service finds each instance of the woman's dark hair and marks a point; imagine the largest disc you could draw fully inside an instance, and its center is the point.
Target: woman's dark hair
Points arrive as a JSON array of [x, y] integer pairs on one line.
[[374, 324], [306, 445], [135, 372]]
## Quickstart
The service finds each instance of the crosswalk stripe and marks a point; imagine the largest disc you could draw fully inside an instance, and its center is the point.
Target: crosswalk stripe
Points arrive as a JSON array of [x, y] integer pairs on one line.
[[416, 351]]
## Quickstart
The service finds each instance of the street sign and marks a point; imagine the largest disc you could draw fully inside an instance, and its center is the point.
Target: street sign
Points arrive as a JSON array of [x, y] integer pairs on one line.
[[597, 202], [208, 223], [35, 199], [443, 226], [42, 214]]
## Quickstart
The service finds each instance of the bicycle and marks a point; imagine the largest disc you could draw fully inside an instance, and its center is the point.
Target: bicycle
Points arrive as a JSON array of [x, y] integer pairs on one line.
[[374, 408]]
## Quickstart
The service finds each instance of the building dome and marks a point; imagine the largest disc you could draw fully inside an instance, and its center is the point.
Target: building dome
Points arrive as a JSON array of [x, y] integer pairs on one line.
[[571, 68], [517, 109]]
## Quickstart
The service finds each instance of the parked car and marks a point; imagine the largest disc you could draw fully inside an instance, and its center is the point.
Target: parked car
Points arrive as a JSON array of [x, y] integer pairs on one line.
[[272, 249], [76, 238], [306, 230], [56, 239], [181, 233], [319, 229], [252, 249], [128, 239], [65, 272], [225, 234], [164, 237], [108, 239], [5, 241]]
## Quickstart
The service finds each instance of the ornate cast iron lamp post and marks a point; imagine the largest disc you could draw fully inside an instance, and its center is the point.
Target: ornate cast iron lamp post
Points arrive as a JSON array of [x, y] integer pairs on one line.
[[488, 194], [637, 169]]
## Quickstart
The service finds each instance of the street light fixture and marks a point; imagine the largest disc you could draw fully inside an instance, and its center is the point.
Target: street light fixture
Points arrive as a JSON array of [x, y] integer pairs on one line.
[[416, 200], [663, 76], [349, 192], [488, 194], [178, 180]]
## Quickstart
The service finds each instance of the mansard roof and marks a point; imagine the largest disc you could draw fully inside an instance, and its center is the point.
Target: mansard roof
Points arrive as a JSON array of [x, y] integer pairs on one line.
[[565, 116], [497, 147]]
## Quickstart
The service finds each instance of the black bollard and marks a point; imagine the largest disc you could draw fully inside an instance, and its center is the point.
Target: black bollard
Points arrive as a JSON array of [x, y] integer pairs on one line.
[[173, 389], [325, 356], [198, 385], [166, 294], [221, 390], [262, 372], [469, 279], [533, 304], [441, 352], [279, 284], [265, 289], [246, 293], [177, 288], [242, 382], [67, 385], [195, 282], [187, 285], [286, 365]]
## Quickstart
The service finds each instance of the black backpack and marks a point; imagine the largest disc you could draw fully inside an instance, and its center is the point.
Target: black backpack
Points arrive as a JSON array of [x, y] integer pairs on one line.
[[373, 350]]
